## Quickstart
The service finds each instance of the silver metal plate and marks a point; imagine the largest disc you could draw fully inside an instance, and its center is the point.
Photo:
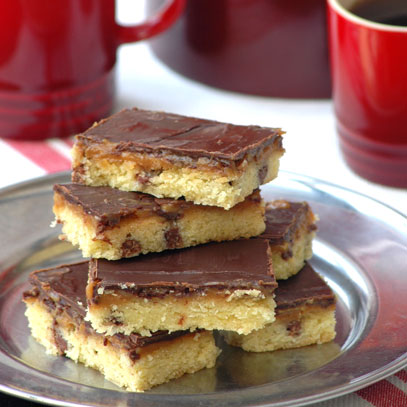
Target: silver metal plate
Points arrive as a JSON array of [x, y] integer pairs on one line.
[[360, 249]]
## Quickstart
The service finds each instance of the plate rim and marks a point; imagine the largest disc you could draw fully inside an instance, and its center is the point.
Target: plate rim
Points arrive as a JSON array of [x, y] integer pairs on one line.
[[380, 373]]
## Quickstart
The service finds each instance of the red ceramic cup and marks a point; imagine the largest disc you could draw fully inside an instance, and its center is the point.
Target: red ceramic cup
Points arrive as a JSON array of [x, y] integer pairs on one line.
[[263, 47], [369, 74], [57, 62]]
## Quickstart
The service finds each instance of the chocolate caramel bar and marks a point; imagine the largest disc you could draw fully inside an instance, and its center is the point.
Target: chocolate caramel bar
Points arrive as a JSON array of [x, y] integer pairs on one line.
[[173, 156], [109, 223], [305, 315], [225, 285], [290, 229], [56, 307]]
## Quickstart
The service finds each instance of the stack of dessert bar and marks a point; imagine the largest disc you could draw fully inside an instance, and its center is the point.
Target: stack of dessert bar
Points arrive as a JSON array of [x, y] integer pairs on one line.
[[181, 244]]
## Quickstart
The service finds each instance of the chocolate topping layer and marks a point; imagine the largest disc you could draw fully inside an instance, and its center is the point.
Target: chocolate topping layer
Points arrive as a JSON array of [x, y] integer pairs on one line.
[[238, 264], [110, 205], [282, 219], [141, 130], [65, 283], [63, 288], [306, 287]]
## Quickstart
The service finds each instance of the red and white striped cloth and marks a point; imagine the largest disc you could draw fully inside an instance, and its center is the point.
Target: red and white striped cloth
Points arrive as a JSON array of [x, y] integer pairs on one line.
[[22, 160]]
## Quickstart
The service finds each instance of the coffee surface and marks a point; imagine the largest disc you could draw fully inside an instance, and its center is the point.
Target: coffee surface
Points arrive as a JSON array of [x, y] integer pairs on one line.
[[392, 12]]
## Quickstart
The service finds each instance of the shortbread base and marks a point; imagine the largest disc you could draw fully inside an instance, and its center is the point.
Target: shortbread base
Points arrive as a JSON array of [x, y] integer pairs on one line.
[[241, 311], [294, 329]]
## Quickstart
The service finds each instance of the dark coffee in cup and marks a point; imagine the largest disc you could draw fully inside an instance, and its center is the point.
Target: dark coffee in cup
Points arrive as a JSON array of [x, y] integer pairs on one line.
[[392, 12]]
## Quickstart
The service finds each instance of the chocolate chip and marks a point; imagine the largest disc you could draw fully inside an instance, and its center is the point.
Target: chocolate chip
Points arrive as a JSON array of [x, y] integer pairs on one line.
[[78, 174], [294, 328], [133, 355], [115, 321], [142, 179], [130, 247], [173, 238], [287, 254], [146, 176]]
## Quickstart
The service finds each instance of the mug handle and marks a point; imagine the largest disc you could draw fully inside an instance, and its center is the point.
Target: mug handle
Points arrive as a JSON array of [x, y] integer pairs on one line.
[[157, 23]]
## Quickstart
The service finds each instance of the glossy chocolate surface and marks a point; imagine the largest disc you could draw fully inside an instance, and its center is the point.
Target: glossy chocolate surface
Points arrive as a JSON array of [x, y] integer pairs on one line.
[[306, 287], [238, 264], [282, 220], [140, 130], [66, 283], [64, 287], [110, 205]]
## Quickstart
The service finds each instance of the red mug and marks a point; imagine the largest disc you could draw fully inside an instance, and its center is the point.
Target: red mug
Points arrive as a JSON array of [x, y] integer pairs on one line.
[[264, 47], [57, 62], [369, 77]]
